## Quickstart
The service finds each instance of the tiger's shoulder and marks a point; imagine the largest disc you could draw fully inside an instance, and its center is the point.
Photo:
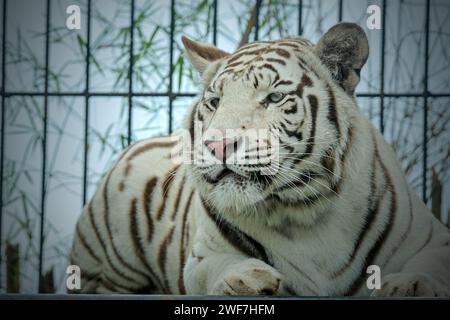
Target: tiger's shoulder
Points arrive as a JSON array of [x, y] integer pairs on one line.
[[132, 225], [145, 160]]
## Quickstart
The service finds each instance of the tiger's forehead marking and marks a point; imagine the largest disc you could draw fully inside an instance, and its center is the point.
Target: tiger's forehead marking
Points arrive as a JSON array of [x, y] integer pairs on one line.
[[259, 52], [261, 55], [264, 54], [263, 48]]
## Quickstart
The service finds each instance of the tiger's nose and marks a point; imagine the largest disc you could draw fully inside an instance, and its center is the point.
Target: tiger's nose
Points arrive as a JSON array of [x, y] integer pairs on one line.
[[221, 149]]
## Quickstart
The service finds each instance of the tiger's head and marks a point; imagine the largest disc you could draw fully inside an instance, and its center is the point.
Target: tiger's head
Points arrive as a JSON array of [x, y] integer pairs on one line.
[[286, 103]]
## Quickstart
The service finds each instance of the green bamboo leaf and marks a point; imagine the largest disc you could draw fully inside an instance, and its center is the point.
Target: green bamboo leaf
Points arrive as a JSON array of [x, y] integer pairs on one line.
[[123, 141], [28, 176], [81, 43], [97, 65]]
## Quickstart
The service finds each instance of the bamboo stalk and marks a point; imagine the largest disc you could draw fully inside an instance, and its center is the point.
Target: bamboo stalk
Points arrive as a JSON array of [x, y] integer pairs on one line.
[[436, 195], [12, 268], [248, 28], [48, 285]]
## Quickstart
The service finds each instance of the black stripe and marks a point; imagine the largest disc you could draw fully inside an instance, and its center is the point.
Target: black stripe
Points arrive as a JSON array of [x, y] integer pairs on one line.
[[373, 206], [192, 122], [162, 256], [292, 108], [114, 286], [337, 185], [224, 72], [328, 162], [237, 55], [109, 231], [148, 194], [165, 186], [209, 107], [427, 240], [314, 105], [108, 285], [296, 134], [137, 242], [304, 82], [90, 214], [288, 44], [348, 145], [332, 111], [200, 118], [406, 232], [301, 180], [307, 277], [290, 291], [237, 238], [183, 245], [374, 251], [283, 83], [149, 146], [285, 144], [178, 197], [255, 82], [103, 245], [305, 202], [83, 241], [89, 276], [249, 46], [282, 62], [234, 64], [269, 67]]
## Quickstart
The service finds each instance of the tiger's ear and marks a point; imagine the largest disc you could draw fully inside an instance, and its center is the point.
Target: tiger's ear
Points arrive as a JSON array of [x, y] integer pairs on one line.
[[344, 50], [200, 55]]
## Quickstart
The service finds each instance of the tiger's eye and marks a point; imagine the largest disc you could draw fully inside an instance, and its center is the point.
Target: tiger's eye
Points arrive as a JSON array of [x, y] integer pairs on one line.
[[214, 102], [275, 97]]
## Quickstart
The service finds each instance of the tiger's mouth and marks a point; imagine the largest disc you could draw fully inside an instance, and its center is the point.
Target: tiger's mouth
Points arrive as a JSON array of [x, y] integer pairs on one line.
[[229, 175], [226, 173]]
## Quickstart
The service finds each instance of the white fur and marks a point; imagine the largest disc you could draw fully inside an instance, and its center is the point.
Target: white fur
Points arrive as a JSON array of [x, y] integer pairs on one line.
[[306, 244]]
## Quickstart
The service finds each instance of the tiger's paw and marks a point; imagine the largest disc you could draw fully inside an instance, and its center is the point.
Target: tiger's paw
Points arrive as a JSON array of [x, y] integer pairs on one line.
[[253, 277], [407, 285]]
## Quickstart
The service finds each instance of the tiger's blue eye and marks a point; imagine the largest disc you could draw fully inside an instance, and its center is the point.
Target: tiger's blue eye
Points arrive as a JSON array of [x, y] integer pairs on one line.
[[214, 102], [275, 97]]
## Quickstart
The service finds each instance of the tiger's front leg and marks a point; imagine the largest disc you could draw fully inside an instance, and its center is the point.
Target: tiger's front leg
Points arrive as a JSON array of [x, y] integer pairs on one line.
[[216, 267], [249, 277], [227, 274]]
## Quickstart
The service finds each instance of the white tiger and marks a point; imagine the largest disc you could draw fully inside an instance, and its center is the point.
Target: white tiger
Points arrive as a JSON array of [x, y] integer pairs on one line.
[[337, 203]]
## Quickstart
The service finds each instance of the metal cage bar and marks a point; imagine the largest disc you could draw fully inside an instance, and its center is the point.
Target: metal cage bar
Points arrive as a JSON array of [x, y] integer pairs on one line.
[[258, 9], [215, 10], [130, 75], [170, 91], [44, 148], [2, 141], [86, 103], [382, 67], [300, 18], [425, 103]]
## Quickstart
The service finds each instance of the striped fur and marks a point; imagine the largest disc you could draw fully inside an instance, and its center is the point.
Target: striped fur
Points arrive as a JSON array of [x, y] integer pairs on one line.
[[338, 203]]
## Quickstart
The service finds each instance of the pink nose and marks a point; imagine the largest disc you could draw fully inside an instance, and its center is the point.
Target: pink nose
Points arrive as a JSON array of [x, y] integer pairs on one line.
[[221, 149]]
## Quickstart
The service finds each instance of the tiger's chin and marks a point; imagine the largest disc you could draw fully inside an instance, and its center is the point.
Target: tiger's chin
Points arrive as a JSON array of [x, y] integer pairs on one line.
[[233, 194]]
